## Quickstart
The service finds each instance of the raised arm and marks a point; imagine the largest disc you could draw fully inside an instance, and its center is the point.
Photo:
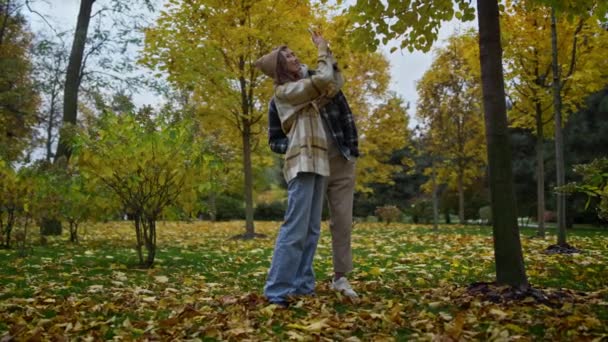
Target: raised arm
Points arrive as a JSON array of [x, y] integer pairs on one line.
[[325, 82]]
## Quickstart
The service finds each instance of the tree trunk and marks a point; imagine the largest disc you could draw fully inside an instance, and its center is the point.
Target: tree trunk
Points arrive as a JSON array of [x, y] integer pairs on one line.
[[435, 204], [1, 231], [509, 260], [139, 238], [150, 243], [540, 172], [250, 231], [49, 128], [559, 140], [22, 242], [72, 78], [246, 123], [212, 207], [10, 221], [11, 224], [461, 197], [5, 16], [73, 232]]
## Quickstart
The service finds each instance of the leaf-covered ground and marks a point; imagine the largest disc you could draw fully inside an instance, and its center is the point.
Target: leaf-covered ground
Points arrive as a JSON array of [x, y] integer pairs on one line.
[[412, 281]]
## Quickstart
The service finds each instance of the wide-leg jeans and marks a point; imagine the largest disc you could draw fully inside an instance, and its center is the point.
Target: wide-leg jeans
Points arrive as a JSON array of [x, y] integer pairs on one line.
[[291, 271]]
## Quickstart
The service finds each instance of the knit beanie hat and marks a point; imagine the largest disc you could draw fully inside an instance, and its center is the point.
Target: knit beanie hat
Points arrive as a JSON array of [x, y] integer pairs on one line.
[[269, 62]]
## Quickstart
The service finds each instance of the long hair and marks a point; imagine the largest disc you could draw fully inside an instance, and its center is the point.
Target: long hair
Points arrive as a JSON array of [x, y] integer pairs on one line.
[[283, 75]]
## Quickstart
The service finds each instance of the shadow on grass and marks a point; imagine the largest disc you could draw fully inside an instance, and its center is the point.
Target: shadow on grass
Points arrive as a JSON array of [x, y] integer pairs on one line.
[[248, 236]]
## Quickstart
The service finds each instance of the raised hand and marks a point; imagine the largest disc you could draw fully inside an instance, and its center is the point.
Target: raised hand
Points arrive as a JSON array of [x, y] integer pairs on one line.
[[317, 39]]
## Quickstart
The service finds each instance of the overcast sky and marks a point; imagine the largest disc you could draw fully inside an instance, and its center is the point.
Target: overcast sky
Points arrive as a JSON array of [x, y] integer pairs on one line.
[[406, 67]]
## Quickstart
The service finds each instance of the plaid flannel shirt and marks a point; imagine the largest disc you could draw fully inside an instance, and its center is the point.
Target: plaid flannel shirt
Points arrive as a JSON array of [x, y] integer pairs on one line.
[[337, 115]]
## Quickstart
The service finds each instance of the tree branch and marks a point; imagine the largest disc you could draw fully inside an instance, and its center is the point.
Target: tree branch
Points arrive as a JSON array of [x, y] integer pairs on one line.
[[27, 4], [578, 30]]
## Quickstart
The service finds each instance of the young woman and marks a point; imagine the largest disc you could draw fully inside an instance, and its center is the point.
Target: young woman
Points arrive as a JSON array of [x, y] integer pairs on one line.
[[298, 99]]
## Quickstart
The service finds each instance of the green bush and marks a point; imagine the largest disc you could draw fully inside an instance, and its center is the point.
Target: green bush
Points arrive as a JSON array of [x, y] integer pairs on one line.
[[485, 214], [371, 219], [273, 211], [421, 211], [50, 227], [594, 184], [405, 218], [229, 208]]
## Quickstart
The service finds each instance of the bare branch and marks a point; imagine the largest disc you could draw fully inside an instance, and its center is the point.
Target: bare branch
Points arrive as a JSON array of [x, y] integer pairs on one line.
[[27, 4], [99, 12]]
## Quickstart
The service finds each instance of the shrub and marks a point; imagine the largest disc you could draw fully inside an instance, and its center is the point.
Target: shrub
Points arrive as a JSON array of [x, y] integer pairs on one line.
[[50, 226], [388, 213], [146, 163], [273, 211], [371, 219], [485, 214], [229, 208], [550, 216], [594, 184], [421, 211]]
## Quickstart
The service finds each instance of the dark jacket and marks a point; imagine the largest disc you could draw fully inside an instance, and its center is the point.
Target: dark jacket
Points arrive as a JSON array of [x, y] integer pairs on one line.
[[337, 115]]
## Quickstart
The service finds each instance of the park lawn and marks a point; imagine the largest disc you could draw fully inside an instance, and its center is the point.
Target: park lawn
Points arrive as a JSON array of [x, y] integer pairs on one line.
[[205, 286]]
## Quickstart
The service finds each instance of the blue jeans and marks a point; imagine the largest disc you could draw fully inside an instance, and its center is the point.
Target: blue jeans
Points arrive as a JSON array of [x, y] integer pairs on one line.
[[291, 270]]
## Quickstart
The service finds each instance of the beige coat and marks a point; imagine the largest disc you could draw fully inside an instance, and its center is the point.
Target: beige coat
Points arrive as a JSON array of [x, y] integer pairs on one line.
[[298, 106]]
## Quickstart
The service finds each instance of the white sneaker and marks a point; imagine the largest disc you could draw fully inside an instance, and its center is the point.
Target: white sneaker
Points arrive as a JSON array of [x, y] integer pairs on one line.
[[343, 286]]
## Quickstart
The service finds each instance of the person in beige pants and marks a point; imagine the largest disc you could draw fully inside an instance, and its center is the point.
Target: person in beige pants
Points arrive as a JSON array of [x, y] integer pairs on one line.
[[340, 192], [343, 151]]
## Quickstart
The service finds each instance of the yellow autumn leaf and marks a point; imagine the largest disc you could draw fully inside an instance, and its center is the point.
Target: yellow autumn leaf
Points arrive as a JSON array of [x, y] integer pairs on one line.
[[161, 279], [515, 328], [312, 327], [498, 313], [375, 271]]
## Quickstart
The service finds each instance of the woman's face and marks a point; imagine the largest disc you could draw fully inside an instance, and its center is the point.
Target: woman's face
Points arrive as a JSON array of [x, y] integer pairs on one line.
[[293, 63]]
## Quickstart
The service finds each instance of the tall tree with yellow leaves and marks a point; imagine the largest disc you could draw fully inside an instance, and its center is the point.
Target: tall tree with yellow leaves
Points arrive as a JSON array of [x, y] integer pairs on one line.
[[209, 47], [382, 131], [449, 106], [581, 53]]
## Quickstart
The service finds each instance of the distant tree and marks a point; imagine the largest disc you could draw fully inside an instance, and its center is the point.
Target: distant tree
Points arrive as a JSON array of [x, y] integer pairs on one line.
[[78, 54], [50, 61], [115, 23], [449, 105], [407, 182], [18, 191], [383, 131], [9, 202], [523, 142], [528, 56], [18, 97]]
